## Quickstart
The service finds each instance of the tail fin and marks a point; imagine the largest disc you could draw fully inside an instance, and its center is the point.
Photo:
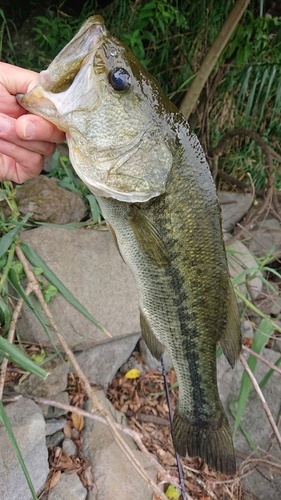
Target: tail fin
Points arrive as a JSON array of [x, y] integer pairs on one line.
[[214, 446]]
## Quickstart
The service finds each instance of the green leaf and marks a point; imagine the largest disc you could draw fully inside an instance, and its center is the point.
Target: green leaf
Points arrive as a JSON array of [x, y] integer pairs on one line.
[[49, 292], [35, 260], [9, 237], [172, 493], [5, 315], [261, 338], [5, 420], [13, 354], [95, 209]]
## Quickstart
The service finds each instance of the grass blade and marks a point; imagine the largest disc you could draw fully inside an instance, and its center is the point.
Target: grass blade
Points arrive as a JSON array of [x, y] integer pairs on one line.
[[36, 261], [9, 237], [12, 353], [262, 336]]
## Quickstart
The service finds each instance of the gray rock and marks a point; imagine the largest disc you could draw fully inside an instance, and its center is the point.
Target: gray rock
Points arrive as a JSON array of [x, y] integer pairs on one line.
[[265, 237], [53, 425], [234, 210], [69, 487], [28, 426], [55, 439], [132, 363], [151, 362], [69, 447], [114, 476], [55, 382], [239, 260], [100, 363], [50, 412], [247, 330], [48, 202], [89, 265], [254, 419]]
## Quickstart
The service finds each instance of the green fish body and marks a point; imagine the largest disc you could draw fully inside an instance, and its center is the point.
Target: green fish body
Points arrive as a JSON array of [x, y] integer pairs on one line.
[[135, 151]]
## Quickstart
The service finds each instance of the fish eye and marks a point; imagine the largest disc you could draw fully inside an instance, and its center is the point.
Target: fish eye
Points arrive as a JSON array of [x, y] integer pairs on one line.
[[120, 79]]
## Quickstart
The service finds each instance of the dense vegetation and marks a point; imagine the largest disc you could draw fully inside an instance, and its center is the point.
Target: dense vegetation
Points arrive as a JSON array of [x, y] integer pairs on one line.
[[171, 39]]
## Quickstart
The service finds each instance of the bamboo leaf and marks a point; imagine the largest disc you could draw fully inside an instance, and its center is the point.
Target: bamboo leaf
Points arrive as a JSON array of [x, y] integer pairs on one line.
[[261, 337], [13, 353], [5, 420], [35, 260]]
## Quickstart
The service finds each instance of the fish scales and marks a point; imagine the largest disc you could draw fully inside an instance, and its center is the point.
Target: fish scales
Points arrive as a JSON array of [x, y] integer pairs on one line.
[[135, 151]]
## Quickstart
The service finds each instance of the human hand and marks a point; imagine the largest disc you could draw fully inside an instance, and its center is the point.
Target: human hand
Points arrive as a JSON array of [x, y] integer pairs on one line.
[[25, 139]]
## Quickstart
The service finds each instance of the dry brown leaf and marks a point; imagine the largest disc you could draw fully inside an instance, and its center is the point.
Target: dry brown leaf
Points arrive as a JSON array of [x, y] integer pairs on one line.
[[54, 479], [78, 421], [68, 429]]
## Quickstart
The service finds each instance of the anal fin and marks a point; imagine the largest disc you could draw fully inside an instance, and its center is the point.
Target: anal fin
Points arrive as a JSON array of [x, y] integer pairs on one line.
[[153, 344], [231, 339]]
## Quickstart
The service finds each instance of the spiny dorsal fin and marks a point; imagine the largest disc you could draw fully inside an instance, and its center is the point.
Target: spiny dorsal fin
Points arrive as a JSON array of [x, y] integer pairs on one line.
[[231, 339], [149, 239], [153, 344]]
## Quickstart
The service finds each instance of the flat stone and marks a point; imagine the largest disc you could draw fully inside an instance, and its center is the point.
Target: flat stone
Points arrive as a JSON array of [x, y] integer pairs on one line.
[[28, 426], [234, 206], [101, 363], [114, 476], [51, 412], [89, 265], [48, 202], [69, 487], [240, 259], [55, 439], [69, 447], [55, 382], [53, 425]]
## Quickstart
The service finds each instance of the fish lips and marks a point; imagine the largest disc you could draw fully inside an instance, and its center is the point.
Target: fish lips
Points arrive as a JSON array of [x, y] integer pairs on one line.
[[68, 77]]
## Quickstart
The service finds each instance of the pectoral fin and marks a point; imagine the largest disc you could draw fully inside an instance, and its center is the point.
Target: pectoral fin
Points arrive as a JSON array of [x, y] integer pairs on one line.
[[231, 339], [148, 237], [153, 344]]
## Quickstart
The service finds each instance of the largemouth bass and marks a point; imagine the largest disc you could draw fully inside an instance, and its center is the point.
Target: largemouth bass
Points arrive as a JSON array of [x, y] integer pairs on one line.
[[134, 150]]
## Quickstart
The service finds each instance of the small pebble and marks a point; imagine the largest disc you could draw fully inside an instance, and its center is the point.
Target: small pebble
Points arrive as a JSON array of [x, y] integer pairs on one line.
[[69, 447]]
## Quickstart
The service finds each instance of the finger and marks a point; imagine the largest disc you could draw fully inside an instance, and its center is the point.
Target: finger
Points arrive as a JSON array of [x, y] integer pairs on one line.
[[22, 156], [10, 170], [17, 80], [32, 127], [8, 133]]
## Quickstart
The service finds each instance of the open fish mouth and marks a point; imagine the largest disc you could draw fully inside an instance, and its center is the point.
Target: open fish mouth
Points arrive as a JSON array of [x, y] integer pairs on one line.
[[63, 86]]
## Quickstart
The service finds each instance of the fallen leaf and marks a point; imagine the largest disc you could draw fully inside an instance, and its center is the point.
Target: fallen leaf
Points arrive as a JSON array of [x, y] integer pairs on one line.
[[172, 493], [78, 421], [133, 373], [54, 479], [67, 429]]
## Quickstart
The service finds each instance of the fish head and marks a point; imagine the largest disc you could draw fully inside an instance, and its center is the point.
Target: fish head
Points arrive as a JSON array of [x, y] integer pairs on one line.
[[113, 112]]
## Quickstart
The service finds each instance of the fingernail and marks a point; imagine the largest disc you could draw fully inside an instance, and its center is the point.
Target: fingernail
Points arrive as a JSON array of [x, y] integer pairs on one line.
[[28, 130], [5, 124]]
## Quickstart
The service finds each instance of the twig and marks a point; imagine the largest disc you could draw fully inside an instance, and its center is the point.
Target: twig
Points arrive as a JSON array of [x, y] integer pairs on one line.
[[261, 396], [10, 338], [94, 402], [261, 358]]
